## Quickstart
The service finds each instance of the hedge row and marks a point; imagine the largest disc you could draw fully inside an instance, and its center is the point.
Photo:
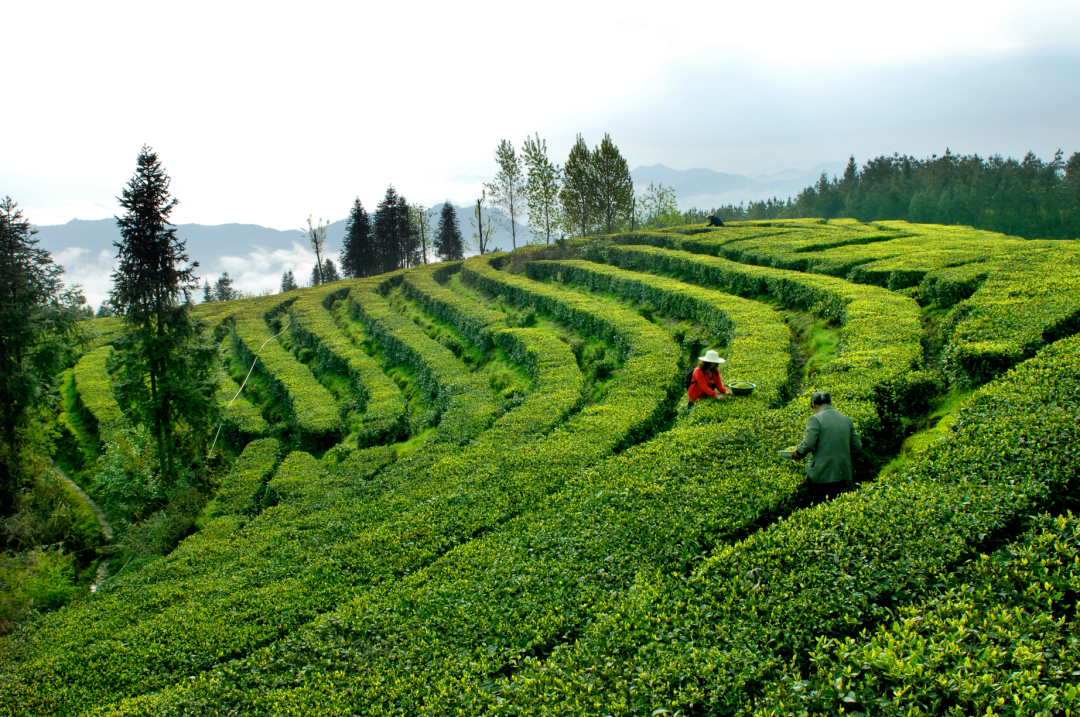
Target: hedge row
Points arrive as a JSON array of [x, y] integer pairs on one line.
[[758, 341], [313, 327], [465, 403], [239, 583], [94, 390], [443, 639], [476, 323], [1011, 295], [312, 407], [1016, 310], [409, 516], [709, 644], [1001, 639], [241, 488], [473, 491], [881, 349], [242, 416]]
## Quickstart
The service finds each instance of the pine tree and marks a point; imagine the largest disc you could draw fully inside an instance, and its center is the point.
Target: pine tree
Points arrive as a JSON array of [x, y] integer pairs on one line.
[[37, 318], [393, 239], [358, 257], [166, 367], [223, 288], [449, 246], [207, 292], [329, 271], [507, 190], [288, 281], [541, 188], [578, 193], [613, 187]]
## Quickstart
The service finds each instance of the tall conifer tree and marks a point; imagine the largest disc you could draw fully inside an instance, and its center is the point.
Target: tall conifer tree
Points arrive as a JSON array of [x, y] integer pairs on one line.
[[165, 366], [34, 313], [613, 189], [358, 256], [394, 242], [449, 244], [578, 193]]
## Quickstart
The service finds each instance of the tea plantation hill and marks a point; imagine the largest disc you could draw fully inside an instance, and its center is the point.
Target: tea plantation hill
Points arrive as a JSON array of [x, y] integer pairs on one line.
[[472, 488]]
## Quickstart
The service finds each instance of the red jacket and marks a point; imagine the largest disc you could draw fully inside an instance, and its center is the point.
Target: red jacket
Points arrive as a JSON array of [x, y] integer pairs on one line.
[[705, 384]]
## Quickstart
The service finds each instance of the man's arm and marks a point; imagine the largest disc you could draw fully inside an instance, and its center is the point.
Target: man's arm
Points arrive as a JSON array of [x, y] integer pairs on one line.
[[809, 441], [855, 442]]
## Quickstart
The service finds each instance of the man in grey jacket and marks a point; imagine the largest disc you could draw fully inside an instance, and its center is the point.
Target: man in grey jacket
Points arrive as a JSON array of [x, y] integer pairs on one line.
[[830, 436]]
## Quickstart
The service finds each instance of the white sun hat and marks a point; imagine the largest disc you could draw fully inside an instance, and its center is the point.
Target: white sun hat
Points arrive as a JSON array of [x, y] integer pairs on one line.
[[711, 357]]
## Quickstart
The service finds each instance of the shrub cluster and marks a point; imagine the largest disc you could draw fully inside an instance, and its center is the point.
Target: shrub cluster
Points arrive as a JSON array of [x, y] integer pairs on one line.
[[313, 327], [1000, 636]]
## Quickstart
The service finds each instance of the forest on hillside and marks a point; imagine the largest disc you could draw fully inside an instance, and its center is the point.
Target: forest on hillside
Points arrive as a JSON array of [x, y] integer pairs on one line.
[[1030, 198]]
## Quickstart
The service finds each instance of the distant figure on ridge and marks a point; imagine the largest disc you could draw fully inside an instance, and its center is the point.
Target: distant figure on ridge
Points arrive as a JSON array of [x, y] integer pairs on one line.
[[714, 221], [830, 436], [706, 381]]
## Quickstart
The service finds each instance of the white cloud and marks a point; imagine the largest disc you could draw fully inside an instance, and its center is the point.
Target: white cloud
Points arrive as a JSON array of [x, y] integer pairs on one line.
[[93, 272], [260, 270]]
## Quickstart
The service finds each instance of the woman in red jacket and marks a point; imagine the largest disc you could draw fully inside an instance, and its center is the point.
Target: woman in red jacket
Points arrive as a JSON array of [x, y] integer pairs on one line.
[[706, 379]]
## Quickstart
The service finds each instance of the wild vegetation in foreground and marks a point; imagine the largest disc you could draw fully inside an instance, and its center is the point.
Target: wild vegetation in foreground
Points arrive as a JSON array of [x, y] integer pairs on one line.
[[472, 487]]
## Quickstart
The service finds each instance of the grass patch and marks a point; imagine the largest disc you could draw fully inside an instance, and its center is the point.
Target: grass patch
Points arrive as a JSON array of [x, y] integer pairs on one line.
[[929, 428]]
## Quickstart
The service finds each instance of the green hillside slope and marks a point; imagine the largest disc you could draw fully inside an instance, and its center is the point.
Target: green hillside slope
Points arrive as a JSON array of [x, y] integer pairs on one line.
[[475, 488]]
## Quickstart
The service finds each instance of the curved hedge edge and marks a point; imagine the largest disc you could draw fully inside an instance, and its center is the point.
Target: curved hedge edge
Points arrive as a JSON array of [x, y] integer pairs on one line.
[[311, 405], [240, 490], [476, 322], [759, 343], [558, 388], [313, 327], [243, 417], [94, 391], [1015, 311], [465, 404], [833, 569], [1002, 608], [881, 352]]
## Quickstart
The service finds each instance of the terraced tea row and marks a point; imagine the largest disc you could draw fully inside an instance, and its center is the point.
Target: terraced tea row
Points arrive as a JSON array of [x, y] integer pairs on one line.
[[383, 405], [466, 405], [311, 406], [712, 642], [567, 556], [410, 644], [95, 392], [1011, 295], [414, 508]]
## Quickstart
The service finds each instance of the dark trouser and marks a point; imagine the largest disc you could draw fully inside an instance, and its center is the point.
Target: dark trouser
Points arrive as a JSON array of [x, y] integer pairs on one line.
[[821, 492]]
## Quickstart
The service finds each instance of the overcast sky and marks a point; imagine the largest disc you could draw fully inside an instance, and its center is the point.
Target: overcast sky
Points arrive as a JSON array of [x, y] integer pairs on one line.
[[267, 112]]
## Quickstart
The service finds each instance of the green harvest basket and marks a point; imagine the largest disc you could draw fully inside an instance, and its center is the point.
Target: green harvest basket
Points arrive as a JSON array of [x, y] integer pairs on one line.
[[742, 388]]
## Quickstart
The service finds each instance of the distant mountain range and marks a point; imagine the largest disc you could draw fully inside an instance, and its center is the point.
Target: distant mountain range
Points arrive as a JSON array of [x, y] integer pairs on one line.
[[255, 256], [706, 189]]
